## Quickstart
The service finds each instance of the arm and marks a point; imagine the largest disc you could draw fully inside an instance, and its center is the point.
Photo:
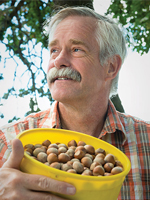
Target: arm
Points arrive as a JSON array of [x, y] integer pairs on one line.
[[15, 184]]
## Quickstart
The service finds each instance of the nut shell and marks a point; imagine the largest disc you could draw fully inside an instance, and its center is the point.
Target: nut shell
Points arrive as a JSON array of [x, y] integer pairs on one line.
[[116, 170], [46, 143], [78, 167], [98, 170], [42, 157], [89, 149], [52, 157], [72, 143], [63, 157], [110, 158], [86, 161]]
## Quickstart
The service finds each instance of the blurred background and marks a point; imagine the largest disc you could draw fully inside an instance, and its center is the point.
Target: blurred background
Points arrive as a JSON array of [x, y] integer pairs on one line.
[[24, 55]]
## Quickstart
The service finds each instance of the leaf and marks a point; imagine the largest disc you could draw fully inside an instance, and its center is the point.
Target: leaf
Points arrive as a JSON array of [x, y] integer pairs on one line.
[[5, 96], [1, 75]]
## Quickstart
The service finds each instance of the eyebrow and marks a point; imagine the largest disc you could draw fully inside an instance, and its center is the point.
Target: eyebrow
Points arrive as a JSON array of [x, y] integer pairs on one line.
[[72, 41], [78, 42], [53, 43]]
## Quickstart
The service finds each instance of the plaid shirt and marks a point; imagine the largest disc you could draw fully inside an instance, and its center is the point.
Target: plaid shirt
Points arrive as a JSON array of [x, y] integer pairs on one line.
[[128, 134]]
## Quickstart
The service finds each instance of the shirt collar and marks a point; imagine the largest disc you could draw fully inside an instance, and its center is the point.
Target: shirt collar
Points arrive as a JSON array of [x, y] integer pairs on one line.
[[53, 119], [111, 125], [113, 122]]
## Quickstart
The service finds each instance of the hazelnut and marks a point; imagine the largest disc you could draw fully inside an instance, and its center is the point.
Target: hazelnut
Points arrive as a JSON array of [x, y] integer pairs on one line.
[[99, 150], [93, 165], [78, 167], [100, 155], [108, 167], [46, 163], [42, 157], [52, 150], [62, 150], [70, 162], [118, 163], [62, 145], [63, 157], [98, 170], [80, 148], [70, 152], [30, 146], [37, 151], [29, 150], [72, 147], [66, 167], [89, 149], [46, 143], [110, 158], [72, 171], [72, 143], [89, 155], [81, 143], [37, 146], [53, 145], [79, 158], [52, 157], [107, 174], [86, 162], [100, 160], [79, 154], [35, 158], [87, 172], [55, 165], [75, 159], [116, 170], [44, 148]]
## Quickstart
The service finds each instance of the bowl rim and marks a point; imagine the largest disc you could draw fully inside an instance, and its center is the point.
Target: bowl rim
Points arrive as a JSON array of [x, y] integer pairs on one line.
[[71, 175]]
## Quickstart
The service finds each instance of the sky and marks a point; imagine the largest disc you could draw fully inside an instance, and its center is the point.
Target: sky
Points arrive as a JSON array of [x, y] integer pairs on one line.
[[134, 83], [134, 79]]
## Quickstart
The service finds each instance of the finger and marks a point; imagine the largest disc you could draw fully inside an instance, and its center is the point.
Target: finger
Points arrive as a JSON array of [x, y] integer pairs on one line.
[[16, 155], [43, 183], [41, 196]]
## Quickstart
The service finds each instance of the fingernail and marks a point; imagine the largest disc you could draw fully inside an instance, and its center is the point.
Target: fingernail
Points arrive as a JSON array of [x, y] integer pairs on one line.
[[71, 190]]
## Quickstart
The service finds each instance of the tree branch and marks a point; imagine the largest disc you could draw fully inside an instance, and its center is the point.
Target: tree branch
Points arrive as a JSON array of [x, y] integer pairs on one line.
[[4, 1]]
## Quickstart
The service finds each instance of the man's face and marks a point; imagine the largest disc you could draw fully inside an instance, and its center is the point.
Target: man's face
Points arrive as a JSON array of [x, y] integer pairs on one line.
[[74, 46]]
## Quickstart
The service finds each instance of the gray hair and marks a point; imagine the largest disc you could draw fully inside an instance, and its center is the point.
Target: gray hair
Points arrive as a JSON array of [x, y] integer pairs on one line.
[[110, 38]]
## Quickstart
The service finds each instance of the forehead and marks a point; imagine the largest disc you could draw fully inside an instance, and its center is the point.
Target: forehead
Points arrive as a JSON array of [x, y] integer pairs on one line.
[[75, 27]]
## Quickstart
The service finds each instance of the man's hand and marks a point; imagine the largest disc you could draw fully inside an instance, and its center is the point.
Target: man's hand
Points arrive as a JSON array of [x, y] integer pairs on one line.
[[16, 185]]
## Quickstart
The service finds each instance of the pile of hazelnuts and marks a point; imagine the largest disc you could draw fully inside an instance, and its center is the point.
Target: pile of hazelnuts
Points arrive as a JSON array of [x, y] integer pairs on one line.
[[75, 157]]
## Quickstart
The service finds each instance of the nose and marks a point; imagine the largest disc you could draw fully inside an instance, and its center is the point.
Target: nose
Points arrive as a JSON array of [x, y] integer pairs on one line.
[[62, 60]]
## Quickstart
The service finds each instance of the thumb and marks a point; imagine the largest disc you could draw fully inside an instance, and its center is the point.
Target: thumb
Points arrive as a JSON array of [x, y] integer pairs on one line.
[[16, 155]]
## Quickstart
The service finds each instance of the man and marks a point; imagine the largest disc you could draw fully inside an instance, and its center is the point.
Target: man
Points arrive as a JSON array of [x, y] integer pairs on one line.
[[86, 54]]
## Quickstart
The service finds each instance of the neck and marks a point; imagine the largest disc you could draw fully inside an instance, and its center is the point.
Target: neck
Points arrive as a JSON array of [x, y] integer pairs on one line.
[[87, 118]]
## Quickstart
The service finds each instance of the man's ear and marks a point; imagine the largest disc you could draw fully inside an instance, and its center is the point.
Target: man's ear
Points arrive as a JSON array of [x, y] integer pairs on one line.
[[113, 67]]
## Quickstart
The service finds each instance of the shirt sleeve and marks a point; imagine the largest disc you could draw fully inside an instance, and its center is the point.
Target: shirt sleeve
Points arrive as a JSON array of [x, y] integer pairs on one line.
[[7, 134], [10, 131]]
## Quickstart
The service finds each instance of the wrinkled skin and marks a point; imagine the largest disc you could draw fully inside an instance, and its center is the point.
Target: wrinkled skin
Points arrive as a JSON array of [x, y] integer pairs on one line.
[[16, 185]]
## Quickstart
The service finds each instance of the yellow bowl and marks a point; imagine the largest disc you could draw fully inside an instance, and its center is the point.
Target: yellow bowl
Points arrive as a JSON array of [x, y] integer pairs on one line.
[[87, 187]]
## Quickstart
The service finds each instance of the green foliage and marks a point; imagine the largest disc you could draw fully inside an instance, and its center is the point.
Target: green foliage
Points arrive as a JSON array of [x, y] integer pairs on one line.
[[21, 32], [134, 15], [14, 118], [1, 76], [9, 92], [1, 115]]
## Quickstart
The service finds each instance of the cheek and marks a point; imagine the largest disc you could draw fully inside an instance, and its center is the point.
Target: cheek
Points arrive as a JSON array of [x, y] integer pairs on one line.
[[50, 65]]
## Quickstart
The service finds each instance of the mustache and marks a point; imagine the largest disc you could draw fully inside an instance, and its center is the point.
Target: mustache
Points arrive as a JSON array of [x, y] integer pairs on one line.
[[66, 72]]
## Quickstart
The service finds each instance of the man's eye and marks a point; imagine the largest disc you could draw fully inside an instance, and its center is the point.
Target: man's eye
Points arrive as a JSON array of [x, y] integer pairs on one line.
[[76, 50], [53, 51]]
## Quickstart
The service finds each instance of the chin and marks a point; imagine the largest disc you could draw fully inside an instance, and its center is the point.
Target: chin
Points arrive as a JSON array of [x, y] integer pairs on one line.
[[64, 98], [59, 96]]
